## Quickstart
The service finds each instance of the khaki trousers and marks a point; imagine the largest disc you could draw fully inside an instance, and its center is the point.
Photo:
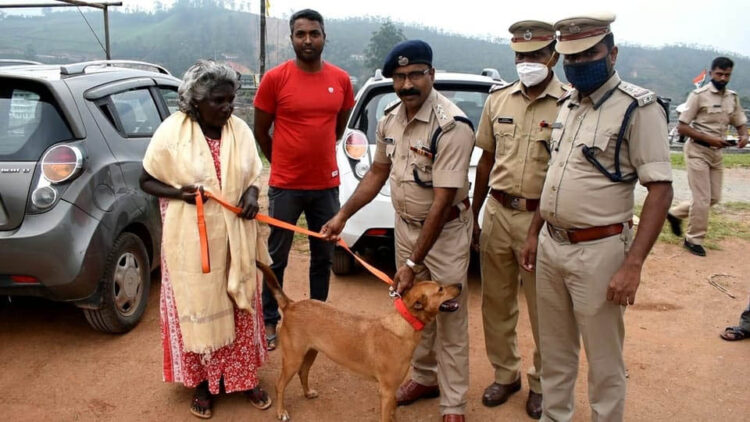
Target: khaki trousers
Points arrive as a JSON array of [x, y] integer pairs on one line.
[[705, 172], [503, 235], [442, 356], [572, 281]]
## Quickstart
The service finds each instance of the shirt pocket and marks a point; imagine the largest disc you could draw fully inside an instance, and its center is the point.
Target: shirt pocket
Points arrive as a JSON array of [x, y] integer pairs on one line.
[[598, 145], [717, 114], [419, 168], [540, 147], [504, 135]]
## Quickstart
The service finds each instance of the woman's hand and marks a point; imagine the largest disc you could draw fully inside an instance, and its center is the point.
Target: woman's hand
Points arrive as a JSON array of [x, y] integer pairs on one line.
[[187, 193], [249, 203]]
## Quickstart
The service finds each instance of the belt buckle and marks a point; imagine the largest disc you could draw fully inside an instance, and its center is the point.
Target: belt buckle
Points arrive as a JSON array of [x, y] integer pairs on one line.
[[561, 236], [515, 203]]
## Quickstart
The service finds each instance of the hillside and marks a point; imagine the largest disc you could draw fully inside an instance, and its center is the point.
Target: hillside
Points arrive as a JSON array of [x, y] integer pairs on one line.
[[178, 36]]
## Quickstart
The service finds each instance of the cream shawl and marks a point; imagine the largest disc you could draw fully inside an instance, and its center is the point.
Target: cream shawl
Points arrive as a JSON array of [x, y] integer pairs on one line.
[[178, 155]]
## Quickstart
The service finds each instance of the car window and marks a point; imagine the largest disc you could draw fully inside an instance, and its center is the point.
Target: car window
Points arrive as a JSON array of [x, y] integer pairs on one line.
[[470, 100], [29, 121], [137, 112], [170, 98]]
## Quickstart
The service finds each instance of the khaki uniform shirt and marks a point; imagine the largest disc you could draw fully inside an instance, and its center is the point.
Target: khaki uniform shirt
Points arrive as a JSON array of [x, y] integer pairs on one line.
[[395, 136], [711, 111], [576, 194], [517, 131]]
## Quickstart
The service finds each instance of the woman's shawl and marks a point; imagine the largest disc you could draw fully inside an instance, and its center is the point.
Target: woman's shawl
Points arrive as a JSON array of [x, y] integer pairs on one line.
[[178, 155]]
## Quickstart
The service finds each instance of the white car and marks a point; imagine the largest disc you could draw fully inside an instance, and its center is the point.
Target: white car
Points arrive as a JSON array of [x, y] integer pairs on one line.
[[371, 228]]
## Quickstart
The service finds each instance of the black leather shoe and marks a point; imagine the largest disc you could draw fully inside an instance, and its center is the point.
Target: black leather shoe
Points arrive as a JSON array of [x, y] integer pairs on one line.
[[695, 249], [534, 405], [675, 224], [497, 394]]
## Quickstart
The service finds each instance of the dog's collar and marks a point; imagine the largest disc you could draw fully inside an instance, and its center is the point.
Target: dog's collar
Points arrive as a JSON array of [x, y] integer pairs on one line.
[[411, 319]]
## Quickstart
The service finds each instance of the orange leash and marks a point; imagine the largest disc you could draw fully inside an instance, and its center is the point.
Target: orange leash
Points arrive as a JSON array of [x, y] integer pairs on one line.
[[205, 259]]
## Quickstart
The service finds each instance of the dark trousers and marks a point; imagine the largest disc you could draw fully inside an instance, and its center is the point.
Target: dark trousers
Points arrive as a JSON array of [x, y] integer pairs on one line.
[[745, 319], [287, 205]]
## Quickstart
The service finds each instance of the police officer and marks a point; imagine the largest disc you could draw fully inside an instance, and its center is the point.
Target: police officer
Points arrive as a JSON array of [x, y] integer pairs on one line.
[[709, 110], [609, 133], [514, 133], [429, 190]]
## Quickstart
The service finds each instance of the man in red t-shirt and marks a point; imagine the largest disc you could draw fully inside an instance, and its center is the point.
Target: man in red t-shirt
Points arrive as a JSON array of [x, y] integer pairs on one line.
[[308, 102]]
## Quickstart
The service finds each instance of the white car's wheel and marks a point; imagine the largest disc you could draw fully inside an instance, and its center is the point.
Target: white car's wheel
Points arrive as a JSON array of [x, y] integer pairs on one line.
[[343, 263]]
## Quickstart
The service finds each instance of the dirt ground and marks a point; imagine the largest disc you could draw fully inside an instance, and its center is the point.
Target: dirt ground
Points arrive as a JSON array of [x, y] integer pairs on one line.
[[54, 367]]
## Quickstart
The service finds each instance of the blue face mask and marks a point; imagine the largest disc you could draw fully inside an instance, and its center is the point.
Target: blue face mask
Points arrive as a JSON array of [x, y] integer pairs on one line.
[[586, 77]]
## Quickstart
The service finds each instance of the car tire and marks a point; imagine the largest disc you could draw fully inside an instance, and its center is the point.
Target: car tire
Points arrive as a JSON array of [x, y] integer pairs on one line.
[[343, 263], [125, 287]]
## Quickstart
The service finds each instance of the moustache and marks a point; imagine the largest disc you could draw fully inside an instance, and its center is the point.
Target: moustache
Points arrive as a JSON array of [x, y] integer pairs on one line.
[[410, 91]]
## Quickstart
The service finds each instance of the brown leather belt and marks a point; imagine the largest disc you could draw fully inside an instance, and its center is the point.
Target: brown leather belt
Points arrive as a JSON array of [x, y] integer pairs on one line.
[[585, 235], [514, 202], [453, 213]]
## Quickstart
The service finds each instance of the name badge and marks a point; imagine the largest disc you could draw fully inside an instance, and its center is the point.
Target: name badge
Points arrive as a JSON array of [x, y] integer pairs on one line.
[[556, 125], [505, 120], [716, 105]]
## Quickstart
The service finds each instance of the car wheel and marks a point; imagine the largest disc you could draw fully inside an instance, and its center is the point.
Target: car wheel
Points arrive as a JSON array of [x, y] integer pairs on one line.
[[343, 263], [125, 287]]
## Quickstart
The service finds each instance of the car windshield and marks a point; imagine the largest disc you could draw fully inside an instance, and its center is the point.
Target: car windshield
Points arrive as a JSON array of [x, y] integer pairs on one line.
[[29, 121], [469, 99]]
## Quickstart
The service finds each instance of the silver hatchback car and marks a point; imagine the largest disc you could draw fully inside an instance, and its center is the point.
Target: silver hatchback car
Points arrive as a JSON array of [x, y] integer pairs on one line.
[[74, 225]]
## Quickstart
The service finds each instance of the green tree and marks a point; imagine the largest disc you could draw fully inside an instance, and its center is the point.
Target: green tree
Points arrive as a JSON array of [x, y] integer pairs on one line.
[[381, 42]]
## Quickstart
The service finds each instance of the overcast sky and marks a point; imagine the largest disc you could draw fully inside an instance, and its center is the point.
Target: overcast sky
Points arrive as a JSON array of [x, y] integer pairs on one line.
[[721, 24]]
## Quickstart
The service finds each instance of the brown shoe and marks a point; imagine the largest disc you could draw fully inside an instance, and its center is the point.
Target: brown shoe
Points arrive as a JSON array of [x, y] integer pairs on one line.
[[412, 391], [453, 418], [534, 405], [497, 394]]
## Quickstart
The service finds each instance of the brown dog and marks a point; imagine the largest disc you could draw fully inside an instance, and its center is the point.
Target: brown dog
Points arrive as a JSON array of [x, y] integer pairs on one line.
[[378, 348]]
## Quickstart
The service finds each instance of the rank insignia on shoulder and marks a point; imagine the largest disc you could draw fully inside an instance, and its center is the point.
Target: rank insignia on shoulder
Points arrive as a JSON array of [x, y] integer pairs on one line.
[[643, 95], [498, 87], [505, 120]]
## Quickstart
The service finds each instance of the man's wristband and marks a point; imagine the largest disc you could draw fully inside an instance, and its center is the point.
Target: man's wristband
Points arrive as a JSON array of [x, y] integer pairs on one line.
[[413, 265]]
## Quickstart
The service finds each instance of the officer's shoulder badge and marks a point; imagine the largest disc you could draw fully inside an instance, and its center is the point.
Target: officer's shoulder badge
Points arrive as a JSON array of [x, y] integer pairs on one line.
[[444, 117], [500, 86], [643, 95], [393, 104], [701, 89]]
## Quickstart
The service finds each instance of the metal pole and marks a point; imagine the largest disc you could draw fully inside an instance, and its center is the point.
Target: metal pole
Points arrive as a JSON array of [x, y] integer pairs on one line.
[[262, 57], [107, 48]]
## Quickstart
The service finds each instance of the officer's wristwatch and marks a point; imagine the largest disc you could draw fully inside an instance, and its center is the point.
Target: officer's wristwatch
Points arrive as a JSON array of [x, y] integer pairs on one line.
[[413, 265]]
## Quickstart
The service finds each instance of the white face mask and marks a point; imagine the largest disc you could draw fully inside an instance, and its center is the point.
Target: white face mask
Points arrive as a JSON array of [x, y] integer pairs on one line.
[[532, 74]]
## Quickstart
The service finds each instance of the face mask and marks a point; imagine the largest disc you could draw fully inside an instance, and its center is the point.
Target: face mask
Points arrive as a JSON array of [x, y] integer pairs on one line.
[[719, 85], [531, 74], [586, 77]]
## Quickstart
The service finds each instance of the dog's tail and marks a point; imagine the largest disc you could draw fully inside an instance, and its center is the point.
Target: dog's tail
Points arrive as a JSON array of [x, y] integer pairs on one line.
[[273, 283]]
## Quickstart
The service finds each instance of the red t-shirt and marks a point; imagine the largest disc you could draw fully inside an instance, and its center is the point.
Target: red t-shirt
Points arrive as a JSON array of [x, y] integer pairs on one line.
[[305, 107]]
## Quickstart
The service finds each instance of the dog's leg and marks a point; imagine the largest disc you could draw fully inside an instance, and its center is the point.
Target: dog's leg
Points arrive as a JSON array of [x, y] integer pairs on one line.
[[387, 402], [290, 364], [304, 371]]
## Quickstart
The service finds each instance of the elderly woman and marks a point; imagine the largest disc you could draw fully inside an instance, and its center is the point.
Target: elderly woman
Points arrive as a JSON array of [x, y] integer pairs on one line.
[[212, 323]]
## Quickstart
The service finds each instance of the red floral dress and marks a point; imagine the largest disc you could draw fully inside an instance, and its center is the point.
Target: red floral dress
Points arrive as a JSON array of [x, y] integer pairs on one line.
[[237, 363]]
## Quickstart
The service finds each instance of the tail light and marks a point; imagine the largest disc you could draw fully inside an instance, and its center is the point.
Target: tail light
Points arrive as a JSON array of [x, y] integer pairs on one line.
[[61, 163], [355, 145], [24, 279]]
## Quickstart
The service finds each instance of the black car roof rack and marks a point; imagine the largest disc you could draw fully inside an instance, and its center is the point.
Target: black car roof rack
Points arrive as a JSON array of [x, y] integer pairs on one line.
[[78, 68]]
